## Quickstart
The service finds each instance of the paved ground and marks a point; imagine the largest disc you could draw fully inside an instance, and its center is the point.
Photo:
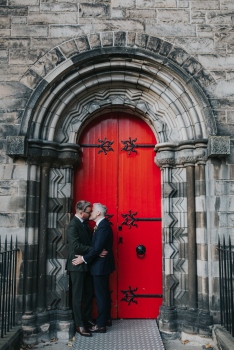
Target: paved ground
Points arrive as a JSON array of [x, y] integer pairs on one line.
[[129, 335]]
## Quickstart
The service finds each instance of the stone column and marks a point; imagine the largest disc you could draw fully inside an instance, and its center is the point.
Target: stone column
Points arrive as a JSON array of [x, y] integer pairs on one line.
[[31, 256], [42, 251], [192, 251], [180, 304]]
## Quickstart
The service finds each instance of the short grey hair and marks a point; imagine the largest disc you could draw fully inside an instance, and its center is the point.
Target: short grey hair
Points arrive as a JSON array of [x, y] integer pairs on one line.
[[82, 205], [101, 207]]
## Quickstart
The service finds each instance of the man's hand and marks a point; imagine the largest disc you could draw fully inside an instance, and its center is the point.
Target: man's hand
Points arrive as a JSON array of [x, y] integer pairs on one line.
[[78, 260], [103, 253]]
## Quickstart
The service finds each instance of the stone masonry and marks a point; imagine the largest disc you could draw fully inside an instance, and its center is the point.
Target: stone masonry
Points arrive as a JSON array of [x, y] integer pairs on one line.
[[171, 62]]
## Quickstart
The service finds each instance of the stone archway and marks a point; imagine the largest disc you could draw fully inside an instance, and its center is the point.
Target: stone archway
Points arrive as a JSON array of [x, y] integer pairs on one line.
[[74, 83]]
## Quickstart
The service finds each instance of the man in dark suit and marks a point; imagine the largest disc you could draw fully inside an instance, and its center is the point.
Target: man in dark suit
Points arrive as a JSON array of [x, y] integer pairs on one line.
[[100, 268], [79, 240]]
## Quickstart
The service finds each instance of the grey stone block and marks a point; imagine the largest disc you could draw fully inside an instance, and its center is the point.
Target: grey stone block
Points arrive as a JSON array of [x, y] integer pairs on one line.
[[33, 30], [21, 10], [219, 17], [218, 146], [162, 30], [65, 31], [173, 16], [178, 55], [69, 48], [82, 43], [94, 41], [94, 10], [107, 39], [16, 145], [9, 220], [120, 39], [52, 18]]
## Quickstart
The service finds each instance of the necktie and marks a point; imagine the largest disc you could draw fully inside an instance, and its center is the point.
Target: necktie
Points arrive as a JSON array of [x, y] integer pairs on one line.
[[94, 229]]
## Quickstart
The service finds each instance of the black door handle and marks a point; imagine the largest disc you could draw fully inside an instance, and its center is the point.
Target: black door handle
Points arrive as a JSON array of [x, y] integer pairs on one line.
[[140, 251]]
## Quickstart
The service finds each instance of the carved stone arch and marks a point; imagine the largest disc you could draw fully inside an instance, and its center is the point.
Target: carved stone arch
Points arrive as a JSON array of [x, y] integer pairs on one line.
[[166, 78], [77, 81]]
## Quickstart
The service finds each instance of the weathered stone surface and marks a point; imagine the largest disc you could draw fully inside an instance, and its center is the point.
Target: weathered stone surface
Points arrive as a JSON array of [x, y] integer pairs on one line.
[[69, 48], [192, 66], [15, 145], [205, 5], [178, 30], [67, 31], [120, 39], [5, 22], [144, 13], [14, 10], [198, 17], [31, 79], [82, 43], [195, 45], [59, 7], [33, 30], [219, 145], [94, 41], [123, 3], [15, 43], [9, 220], [178, 55], [220, 17], [173, 16], [227, 5], [23, 2], [107, 39], [52, 18], [94, 10], [158, 4]]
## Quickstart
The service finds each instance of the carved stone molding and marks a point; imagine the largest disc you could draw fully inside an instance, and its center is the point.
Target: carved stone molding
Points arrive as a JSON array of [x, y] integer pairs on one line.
[[16, 146], [170, 155], [43, 152], [52, 153], [218, 146]]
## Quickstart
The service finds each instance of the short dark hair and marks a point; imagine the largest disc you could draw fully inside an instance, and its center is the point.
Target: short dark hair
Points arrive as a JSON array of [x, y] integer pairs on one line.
[[82, 205]]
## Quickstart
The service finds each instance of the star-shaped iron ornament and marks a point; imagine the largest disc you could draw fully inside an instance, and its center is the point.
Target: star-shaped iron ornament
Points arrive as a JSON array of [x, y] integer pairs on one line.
[[109, 217], [105, 146], [129, 295], [129, 146], [129, 219]]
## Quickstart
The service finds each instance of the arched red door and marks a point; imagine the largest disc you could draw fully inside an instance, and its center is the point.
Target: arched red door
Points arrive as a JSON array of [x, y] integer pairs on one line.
[[118, 170]]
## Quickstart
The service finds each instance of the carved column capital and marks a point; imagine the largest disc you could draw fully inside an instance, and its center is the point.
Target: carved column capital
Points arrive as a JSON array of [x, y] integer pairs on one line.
[[171, 155], [53, 154]]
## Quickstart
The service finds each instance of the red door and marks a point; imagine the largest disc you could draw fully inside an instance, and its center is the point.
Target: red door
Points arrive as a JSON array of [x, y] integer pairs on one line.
[[118, 170]]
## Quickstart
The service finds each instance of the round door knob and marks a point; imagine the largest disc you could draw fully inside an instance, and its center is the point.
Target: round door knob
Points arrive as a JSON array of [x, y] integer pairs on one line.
[[140, 251]]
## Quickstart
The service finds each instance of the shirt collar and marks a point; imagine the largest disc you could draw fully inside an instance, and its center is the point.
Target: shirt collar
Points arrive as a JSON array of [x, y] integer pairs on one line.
[[98, 222], [81, 220]]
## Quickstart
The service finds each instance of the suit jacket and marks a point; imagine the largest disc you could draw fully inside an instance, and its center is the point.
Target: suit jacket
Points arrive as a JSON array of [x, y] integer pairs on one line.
[[79, 241], [102, 239]]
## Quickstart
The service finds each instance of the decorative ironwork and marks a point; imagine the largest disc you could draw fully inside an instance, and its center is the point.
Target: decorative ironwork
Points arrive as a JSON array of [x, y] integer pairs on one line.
[[105, 146], [129, 219], [130, 296], [109, 217], [130, 145]]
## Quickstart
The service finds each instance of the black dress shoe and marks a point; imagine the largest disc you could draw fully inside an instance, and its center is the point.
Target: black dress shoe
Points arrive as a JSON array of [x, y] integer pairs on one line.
[[109, 323], [89, 323], [83, 331], [97, 329]]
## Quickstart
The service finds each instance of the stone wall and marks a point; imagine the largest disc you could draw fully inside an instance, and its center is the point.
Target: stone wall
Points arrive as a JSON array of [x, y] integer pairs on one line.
[[36, 37]]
